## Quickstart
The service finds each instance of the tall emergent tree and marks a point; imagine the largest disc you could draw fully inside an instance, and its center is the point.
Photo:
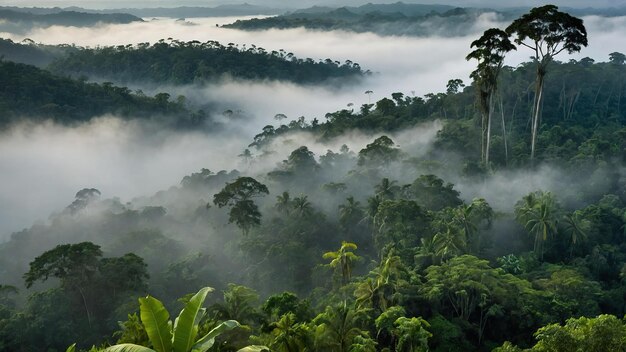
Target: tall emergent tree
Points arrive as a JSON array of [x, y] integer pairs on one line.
[[238, 195], [489, 50], [547, 32]]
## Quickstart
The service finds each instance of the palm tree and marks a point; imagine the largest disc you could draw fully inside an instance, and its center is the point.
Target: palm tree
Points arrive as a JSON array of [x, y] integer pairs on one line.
[[350, 212], [372, 208], [365, 292], [239, 303], [386, 189], [449, 244], [289, 335], [538, 213], [469, 219], [426, 253], [283, 202], [576, 227], [338, 327], [343, 260], [301, 206], [380, 289]]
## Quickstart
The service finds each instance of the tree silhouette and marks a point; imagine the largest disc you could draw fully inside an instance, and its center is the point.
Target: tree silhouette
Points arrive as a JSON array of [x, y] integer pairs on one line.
[[489, 50], [547, 32], [238, 195]]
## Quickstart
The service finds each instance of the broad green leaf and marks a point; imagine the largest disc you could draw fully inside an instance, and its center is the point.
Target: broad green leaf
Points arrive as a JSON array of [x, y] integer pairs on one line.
[[208, 340], [254, 348], [128, 347], [186, 326], [155, 319], [71, 348]]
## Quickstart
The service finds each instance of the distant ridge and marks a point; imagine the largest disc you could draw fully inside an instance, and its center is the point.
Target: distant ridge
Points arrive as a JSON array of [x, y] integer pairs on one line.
[[244, 9], [64, 18]]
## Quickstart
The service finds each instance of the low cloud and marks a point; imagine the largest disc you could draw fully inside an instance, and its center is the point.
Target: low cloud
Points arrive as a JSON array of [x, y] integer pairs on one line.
[[43, 166]]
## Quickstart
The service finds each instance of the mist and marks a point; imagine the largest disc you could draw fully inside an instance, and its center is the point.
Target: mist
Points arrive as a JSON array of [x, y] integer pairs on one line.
[[44, 165], [128, 159]]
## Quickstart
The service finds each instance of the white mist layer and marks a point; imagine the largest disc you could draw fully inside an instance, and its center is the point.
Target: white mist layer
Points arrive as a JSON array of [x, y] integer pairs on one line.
[[43, 166]]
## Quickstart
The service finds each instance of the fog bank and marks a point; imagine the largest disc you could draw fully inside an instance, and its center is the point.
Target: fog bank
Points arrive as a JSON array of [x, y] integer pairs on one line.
[[43, 166]]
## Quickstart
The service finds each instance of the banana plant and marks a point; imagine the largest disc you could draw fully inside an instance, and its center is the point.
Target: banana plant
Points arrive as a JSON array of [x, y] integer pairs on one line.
[[182, 335]]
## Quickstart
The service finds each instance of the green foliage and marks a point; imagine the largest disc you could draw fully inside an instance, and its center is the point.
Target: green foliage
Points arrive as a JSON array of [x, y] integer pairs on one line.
[[338, 327], [433, 193], [602, 333], [237, 195], [546, 32], [64, 18], [490, 50], [400, 223], [289, 335], [412, 334], [379, 153], [38, 95], [387, 319], [180, 336], [239, 303], [278, 305], [343, 260], [426, 277], [95, 286], [179, 62], [155, 319], [132, 331], [538, 212], [71, 263], [572, 293], [399, 19]]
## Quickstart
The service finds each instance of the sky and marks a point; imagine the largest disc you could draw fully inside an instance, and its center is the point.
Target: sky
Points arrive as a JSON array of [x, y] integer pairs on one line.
[[303, 3]]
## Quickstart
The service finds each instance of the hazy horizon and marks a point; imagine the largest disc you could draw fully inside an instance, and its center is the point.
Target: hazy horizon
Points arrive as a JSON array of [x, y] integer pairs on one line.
[[97, 4]]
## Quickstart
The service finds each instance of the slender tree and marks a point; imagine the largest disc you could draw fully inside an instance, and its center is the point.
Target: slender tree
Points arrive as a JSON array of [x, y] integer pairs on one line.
[[547, 32], [489, 50]]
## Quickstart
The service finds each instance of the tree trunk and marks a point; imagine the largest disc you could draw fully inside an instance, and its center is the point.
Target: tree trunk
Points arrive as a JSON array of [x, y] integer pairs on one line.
[[85, 304], [489, 114], [506, 148], [536, 111]]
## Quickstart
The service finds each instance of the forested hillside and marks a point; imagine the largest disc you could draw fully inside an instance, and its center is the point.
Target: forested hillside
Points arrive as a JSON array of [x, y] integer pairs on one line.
[[195, 62], [20, 20], [385, 20], [582, 117], [489, 217], [30, 53], [33, 94]]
